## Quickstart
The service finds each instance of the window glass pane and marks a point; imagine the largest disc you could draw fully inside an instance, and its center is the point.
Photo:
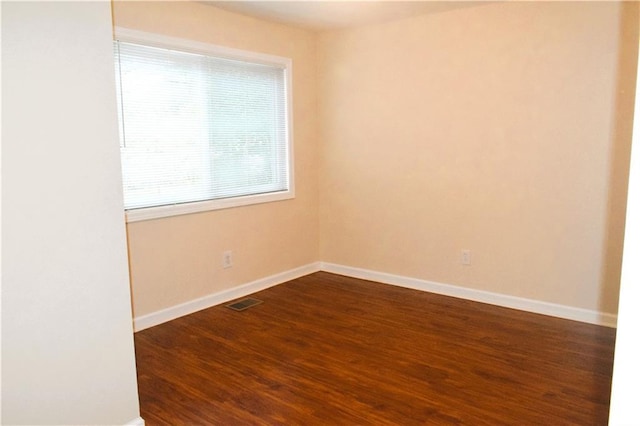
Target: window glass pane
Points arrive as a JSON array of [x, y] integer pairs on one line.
[[196, 127]]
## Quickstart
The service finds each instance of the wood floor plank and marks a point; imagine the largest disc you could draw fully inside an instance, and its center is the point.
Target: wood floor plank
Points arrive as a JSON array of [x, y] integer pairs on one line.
[[327, 349]]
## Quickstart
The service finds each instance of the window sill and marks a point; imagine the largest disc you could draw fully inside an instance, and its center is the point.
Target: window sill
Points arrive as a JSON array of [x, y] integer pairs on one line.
[[149, 213]]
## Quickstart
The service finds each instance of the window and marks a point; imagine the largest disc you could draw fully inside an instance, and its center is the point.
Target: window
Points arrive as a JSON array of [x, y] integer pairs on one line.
[[201, 127]]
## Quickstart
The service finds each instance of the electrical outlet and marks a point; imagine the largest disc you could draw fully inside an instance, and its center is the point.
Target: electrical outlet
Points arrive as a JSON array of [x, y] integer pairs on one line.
[[227, 259], [465, 257]]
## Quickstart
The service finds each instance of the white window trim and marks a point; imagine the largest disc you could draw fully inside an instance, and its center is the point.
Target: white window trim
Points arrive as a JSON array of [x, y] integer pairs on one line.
[[148, 213]]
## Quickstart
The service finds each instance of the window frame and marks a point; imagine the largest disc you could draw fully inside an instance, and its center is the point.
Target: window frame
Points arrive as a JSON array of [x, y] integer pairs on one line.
[[174, 43]]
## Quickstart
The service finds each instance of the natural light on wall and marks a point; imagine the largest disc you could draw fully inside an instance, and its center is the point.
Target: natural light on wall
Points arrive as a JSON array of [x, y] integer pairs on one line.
[[201, 127]]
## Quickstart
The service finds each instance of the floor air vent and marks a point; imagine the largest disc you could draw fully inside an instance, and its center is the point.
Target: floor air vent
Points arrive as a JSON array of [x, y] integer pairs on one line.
[[243, 304]]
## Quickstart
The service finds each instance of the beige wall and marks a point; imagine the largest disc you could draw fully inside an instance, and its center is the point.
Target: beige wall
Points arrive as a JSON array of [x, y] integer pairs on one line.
[[178, 259], [501, 128], [67, 337]]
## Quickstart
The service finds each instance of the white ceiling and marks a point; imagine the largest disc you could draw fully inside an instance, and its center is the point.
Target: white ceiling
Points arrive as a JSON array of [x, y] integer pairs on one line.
[[330, 14]]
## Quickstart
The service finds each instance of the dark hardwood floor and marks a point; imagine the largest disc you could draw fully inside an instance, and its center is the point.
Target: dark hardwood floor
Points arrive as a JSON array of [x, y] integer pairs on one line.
[[330, 350]]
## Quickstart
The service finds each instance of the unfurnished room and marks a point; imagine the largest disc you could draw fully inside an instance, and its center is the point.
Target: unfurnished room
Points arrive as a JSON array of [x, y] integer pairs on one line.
[[319, 212]]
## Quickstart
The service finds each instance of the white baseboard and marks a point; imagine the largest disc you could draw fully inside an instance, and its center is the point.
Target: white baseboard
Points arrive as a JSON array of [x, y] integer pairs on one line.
[[135, 422], [173, 312], [529, 305]]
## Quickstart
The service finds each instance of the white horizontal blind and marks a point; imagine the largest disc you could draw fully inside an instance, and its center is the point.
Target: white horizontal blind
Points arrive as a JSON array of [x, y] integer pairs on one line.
[[195, 127]]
